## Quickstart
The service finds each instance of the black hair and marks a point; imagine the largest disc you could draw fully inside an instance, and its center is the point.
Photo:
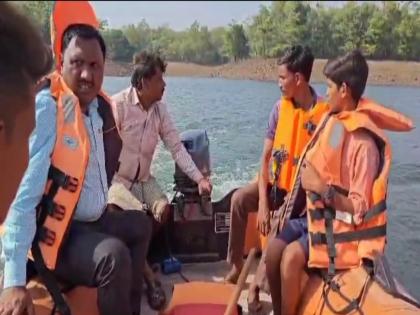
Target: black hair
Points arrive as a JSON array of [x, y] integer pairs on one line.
[[145, 65], [351, 69], [298, 59], [84, 31]]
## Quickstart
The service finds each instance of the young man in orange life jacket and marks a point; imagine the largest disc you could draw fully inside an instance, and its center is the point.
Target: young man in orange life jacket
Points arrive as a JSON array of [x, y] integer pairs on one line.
[[292, 122], [60, 210], [344, 171]]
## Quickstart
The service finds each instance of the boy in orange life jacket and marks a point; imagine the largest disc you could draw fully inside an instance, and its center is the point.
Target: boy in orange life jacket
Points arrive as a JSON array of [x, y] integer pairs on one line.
[[288, 254], [24, 59]]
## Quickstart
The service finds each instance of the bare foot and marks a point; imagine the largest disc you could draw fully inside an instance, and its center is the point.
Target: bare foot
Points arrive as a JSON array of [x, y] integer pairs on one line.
[[233, 275]]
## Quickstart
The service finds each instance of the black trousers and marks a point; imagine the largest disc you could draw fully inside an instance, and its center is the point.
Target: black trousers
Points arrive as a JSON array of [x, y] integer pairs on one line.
[[108, 254]]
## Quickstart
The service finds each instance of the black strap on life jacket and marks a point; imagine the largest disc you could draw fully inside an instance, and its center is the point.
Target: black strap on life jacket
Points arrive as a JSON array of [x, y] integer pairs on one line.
[[377, 209], [352, 304], [375, 232], [329, 238], [48, 207], [50, 281]]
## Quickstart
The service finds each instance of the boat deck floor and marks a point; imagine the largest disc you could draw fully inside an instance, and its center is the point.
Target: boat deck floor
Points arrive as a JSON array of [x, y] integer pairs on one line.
[[211, 272]]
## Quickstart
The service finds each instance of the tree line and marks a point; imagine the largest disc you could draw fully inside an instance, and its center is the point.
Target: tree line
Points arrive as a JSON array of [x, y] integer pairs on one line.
[[382, 30]]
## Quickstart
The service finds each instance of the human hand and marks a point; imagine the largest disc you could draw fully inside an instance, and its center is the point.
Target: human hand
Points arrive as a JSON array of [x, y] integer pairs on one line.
[[205, 186], [16, 301]]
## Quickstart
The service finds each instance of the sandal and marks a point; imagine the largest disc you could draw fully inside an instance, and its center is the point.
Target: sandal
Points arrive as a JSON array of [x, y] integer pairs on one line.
[[156, 296]]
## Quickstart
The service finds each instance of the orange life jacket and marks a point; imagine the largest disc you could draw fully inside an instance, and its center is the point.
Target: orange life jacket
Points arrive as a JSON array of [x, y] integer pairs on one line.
[[68, 165], [335, 241], [295, 127]]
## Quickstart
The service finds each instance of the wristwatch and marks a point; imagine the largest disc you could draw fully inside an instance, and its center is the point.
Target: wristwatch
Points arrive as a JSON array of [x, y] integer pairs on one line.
[[328, 196]]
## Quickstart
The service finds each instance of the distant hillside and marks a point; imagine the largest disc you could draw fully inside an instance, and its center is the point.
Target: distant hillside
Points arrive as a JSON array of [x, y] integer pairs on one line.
[[380, 72]]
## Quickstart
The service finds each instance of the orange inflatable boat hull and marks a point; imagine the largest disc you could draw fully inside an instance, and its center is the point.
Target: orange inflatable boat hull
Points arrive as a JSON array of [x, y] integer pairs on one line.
[[81, 300], [211, 298], [374, 299]]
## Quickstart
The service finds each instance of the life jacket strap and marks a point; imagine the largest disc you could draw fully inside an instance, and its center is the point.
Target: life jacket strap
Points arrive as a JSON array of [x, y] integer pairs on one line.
[[375, 232], [50, 281]]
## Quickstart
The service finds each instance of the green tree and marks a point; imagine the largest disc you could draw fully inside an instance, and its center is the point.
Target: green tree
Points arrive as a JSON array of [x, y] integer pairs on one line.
[[218, 39], [388, 30], [409, 34], [321, 39], [381, 36], [351, 24], [295, 24], [139, 36], [117, 45], [261, 32], [237, 42]]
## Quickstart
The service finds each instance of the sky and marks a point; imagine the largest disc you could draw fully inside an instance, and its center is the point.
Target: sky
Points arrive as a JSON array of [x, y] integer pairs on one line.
[[179, 15]]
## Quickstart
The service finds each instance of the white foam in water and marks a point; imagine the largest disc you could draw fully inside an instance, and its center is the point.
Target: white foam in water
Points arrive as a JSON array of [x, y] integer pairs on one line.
[[225, 180]]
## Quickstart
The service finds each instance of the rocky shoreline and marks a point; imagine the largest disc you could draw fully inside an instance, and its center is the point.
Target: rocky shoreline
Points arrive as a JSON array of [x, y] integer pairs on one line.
[[400, 73]]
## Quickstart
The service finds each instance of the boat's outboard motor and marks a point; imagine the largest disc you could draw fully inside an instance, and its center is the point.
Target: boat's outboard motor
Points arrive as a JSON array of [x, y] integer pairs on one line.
[[191, 231], [186, 191]]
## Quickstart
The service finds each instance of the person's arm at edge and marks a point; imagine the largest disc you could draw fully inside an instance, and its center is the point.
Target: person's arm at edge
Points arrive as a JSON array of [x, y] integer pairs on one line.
[[20, 225]]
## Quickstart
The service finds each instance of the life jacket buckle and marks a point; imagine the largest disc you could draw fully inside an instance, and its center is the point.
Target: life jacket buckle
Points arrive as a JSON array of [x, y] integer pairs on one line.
[[54, 210], [70, 183], [316, 238], [310, 127], [329, 213], [47, 236], [280, 156], [333, 284], [316, 214], [58, 212]]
